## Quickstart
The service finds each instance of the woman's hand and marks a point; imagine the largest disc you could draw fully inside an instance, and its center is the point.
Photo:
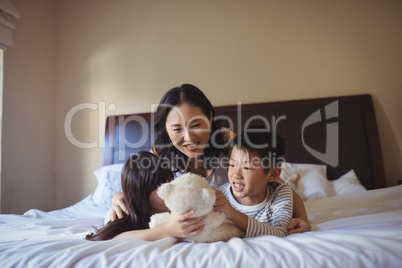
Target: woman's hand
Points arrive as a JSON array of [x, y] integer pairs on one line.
[[297, 225], [182, 226], [118, 206]]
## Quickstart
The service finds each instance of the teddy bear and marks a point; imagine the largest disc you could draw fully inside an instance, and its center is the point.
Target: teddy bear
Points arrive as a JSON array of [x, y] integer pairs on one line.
[[191, 191]]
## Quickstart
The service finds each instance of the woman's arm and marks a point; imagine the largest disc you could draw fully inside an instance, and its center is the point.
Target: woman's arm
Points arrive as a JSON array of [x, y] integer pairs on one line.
[[178, 226], [299, 223], [299, 211], [118, 206]]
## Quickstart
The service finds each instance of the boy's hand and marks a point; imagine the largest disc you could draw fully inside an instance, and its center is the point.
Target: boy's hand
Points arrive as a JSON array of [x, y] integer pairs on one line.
[[222, 205]]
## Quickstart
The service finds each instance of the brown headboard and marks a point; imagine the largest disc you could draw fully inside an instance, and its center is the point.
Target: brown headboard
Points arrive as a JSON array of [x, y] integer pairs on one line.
[[352, 117]]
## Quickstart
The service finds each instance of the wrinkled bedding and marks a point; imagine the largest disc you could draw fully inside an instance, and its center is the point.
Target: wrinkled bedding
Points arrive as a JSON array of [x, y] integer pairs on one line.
[[355, 230]]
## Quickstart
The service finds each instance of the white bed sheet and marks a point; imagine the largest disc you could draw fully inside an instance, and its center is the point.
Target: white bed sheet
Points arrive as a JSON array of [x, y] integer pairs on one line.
[[356, 230]]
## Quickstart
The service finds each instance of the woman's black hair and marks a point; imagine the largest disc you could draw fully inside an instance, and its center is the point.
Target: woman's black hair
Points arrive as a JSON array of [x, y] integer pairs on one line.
[[163, 146], [142, 173]]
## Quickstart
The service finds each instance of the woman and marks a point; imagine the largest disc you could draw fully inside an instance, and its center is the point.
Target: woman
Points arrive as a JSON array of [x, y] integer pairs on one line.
[[189, 138]]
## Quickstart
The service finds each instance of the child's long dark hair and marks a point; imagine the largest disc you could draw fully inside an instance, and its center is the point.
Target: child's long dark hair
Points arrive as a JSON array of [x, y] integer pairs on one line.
[[142, 173]]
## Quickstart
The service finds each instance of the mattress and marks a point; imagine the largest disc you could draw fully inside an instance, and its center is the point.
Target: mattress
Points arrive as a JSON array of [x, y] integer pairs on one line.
[[361, 229]]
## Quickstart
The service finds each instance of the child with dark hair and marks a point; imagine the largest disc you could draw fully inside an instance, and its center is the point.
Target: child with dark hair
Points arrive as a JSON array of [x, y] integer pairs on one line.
[[252, 199], [142, 174]]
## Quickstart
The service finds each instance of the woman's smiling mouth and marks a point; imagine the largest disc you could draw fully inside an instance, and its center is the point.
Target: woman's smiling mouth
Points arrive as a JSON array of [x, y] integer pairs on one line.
[[191, 147]]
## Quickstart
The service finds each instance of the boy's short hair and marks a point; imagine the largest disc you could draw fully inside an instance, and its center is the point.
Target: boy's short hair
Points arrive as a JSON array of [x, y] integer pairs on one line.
[[268, 146]]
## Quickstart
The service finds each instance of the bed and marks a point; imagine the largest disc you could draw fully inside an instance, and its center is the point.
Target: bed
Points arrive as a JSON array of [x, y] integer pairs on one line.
[[356, 219]]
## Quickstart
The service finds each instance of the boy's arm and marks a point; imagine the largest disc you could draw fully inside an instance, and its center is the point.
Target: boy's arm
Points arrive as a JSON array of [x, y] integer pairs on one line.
[[277, 224], [239, 219], [282, 213], [223, 205]]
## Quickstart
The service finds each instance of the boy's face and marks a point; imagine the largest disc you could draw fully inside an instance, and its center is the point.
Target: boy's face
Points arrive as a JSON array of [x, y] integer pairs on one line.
[[247, 178]]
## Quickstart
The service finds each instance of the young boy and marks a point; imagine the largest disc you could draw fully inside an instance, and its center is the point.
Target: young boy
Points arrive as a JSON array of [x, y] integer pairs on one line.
[[252, 199]]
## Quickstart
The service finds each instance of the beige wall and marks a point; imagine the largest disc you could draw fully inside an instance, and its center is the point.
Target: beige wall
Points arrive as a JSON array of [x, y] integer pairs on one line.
[[130, 52], [28, 111]]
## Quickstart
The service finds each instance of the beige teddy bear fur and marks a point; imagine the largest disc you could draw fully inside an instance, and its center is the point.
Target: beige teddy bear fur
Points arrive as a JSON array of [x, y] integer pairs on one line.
[[191, 191]]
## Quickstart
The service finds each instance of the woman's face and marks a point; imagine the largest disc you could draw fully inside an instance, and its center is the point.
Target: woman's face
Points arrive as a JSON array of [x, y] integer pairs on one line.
[[188, 129]]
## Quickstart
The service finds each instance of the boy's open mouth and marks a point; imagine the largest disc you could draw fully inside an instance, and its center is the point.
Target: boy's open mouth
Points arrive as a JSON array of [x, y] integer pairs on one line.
[[238, 187]]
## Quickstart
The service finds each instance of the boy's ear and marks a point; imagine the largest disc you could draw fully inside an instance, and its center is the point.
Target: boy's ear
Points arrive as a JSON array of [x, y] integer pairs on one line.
[[274, 174]]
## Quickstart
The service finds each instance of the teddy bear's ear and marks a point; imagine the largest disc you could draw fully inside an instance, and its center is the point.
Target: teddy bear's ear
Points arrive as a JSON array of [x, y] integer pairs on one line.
[[164, 190], [206, 194]]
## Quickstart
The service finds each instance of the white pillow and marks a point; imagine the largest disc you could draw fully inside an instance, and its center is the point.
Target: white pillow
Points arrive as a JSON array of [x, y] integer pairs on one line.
[[313, 181], [348, 183], [109, 183]]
